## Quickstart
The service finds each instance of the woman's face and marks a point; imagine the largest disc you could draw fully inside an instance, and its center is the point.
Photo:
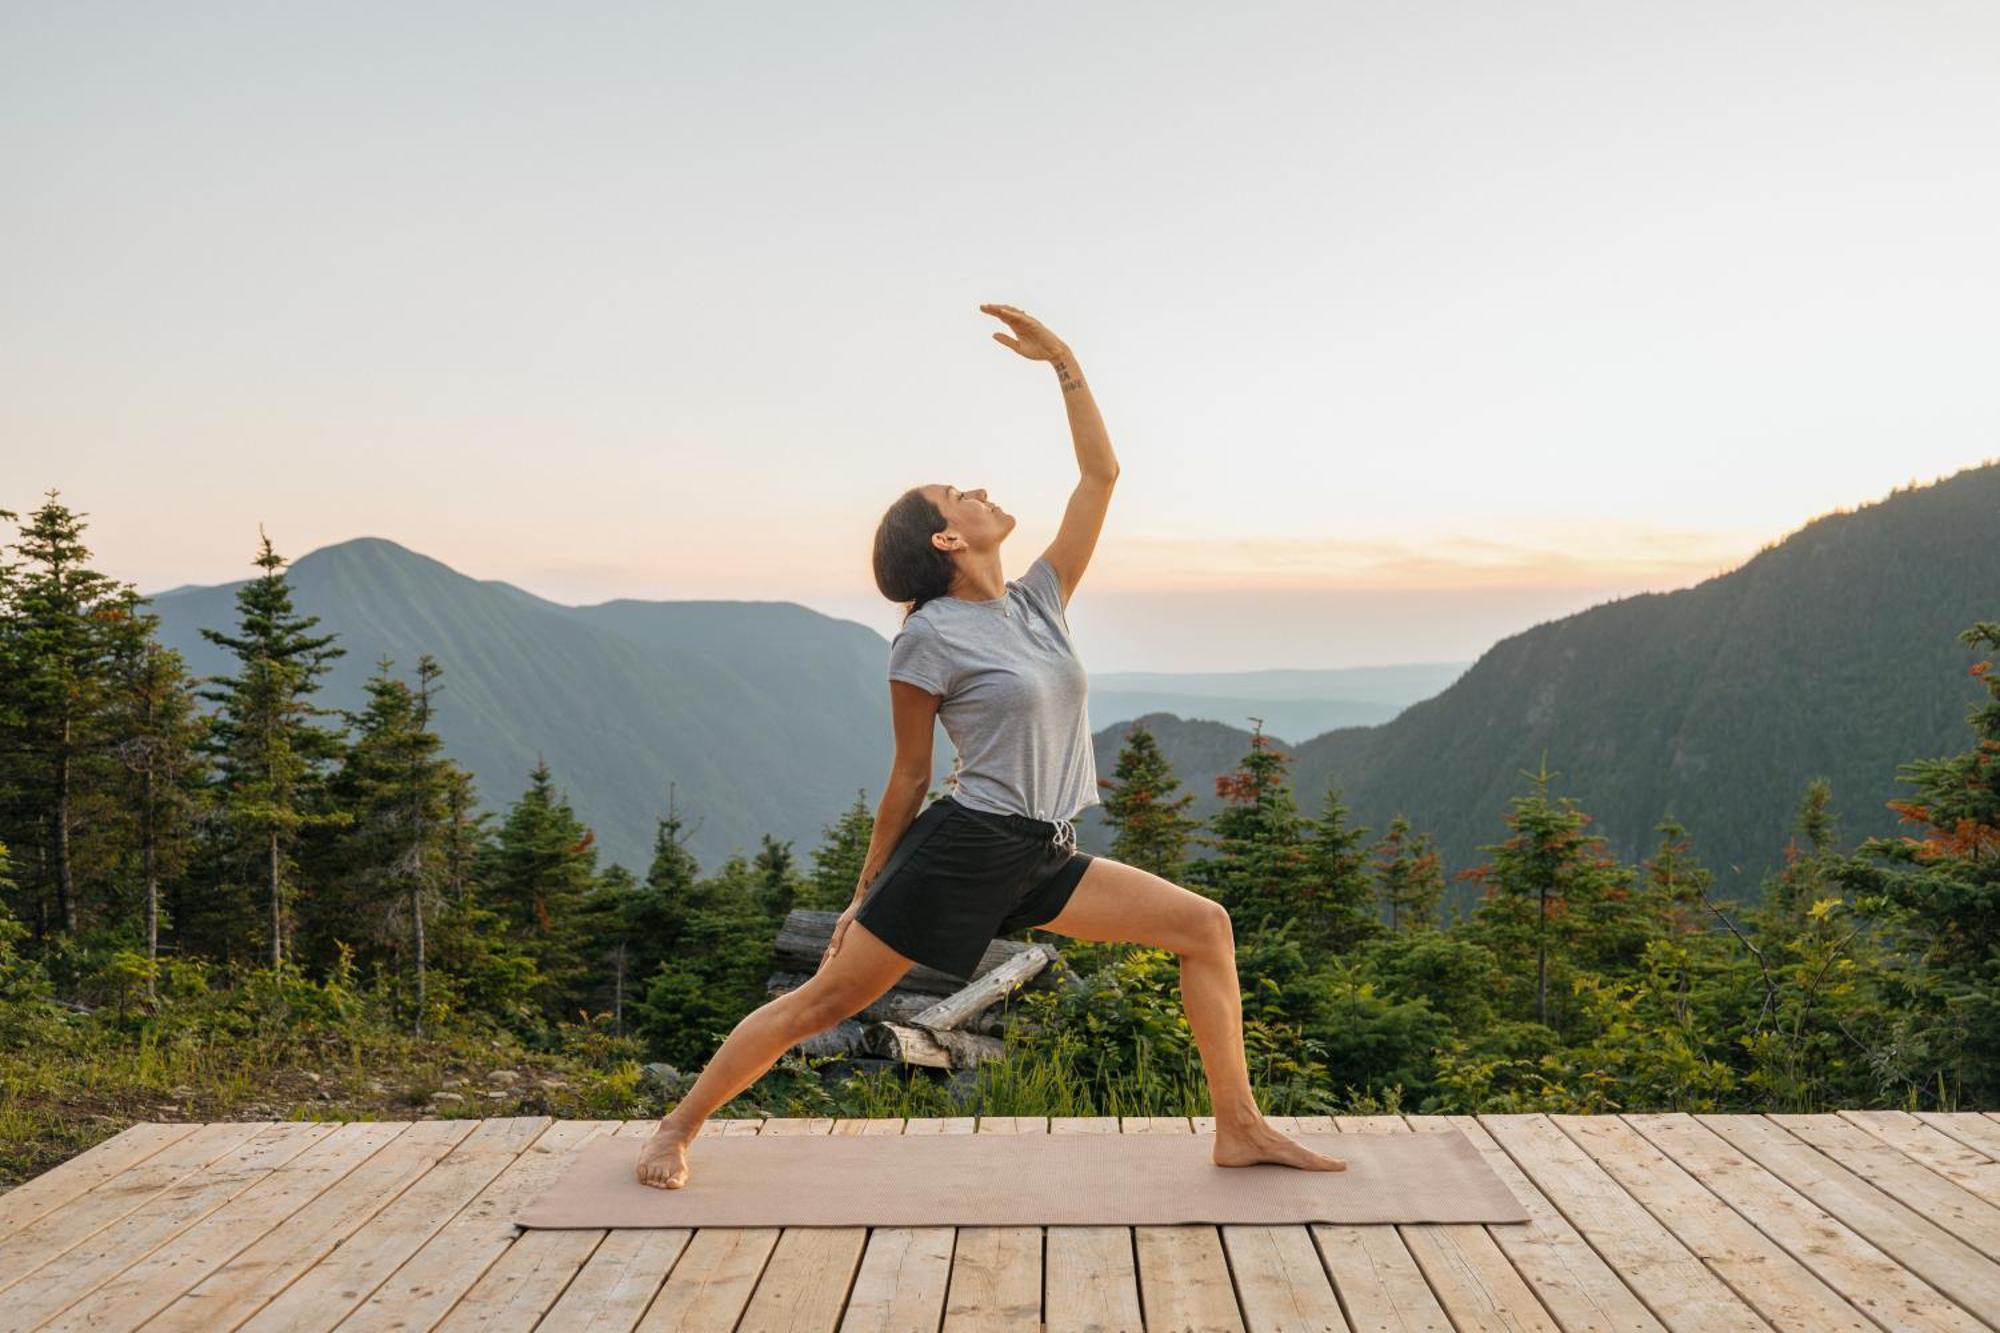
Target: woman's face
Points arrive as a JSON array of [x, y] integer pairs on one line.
[[971, 515]]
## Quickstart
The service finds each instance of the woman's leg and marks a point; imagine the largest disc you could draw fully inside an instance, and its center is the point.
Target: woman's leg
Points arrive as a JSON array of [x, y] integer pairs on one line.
[[852, 979], [1116, 902]]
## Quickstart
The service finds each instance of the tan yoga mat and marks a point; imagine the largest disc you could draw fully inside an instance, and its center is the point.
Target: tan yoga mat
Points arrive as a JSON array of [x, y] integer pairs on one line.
[[899, 1180]]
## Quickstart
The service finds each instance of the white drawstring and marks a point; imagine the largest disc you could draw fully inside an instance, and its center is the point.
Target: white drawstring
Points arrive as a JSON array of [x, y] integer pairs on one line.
[[1065, 834]]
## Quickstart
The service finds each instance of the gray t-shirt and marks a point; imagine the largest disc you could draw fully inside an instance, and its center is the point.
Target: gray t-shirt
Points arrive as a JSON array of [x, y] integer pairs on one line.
[[1014, 696]]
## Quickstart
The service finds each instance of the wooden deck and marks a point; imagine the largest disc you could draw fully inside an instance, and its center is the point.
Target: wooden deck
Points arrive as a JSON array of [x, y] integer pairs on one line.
[[1862, 1220]]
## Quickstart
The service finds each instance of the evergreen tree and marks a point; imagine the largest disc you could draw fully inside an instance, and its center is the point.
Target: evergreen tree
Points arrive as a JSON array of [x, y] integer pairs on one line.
[[1151, 823], [1936, 897], [1409, 878], [1260, 874], [64, 623], [396, 786], [541, 870], [1544, 888], [778, 882], [1340, 911], [1805, 877], [161, 733], [838, 859], [717, 974], [272, 759]]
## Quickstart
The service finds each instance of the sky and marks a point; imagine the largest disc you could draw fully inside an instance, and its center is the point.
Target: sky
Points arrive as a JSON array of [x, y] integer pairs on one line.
[[1413, 325]]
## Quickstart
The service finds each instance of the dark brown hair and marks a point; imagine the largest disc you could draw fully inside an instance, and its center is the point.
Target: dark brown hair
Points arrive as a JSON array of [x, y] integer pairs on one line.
[[908, 567]]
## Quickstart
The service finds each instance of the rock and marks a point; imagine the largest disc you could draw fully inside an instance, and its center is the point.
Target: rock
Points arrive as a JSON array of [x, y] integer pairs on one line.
[[554, 1083], [452, 1083], [664, 1075], [506, 1078], [445, 1099], [310, 1077]]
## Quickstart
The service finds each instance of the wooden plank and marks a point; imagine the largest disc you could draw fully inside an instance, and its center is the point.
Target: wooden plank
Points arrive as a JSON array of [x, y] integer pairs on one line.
[[623, 1274], [157, 1279], [905, 1271], [1468, 1273], [996, 1272], [85, 1267], [1571, 1280], [711, 1284], [1377, 1279], [33, 1199], [1183, 1271], [1964, 1166], [521, 1286], [1875, 1283], [1675, 1285], [1280, 1281], [1757, 1268], [80, 1218], [422, 1290], [1924, 1248], [1975, 1131], [805, 1283], [1950, 1205], [1091, 1277], [238, 1288]]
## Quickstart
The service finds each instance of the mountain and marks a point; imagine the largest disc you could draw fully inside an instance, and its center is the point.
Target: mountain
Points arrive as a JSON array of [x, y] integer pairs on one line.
[[766, 716], [1831, 653], [1289, 701]]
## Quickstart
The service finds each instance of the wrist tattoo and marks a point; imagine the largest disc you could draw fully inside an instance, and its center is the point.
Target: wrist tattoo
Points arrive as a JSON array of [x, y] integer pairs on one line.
[[1070, 379]]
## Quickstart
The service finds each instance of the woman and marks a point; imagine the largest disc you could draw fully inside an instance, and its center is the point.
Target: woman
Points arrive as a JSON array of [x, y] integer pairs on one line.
[[992, 659]]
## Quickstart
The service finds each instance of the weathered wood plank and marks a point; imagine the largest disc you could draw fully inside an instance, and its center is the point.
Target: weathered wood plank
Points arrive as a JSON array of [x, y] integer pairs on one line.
[[1975, 1131], [1920, 1142], [1842, 1258], [1092, 1279], [996, 1272], [1571, 1280], [1757, 1268], [1378, 1280], [32, 1199], [1280, 1281], [905, 1271], [1468, 1273], [519, 1287], [423, 1289], [1918, 1244], [805, 1284], [1183, 1272], [1951, 1206], [1679, 1289], [88, 1265], [712, 1283], [156, 1279], [83, 1216]]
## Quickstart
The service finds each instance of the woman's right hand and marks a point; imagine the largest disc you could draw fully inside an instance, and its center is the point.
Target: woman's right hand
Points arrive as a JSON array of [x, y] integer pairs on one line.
[[839, 930]]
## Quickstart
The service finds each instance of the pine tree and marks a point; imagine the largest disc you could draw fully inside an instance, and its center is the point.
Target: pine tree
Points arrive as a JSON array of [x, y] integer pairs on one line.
[[162, 732], [1340, 913], [1409, 878], [1544, 888], [838, 859], [1259, 874], [541, 870], [1152, 828], [64, 627], [396, 785], [272, 759]]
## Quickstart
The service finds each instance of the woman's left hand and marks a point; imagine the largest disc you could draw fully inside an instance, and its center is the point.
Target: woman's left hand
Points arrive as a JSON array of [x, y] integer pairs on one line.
[[1030, 338]]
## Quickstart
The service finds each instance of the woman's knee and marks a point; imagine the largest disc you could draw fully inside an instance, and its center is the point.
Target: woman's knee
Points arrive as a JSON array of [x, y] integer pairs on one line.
[[1214, 932]]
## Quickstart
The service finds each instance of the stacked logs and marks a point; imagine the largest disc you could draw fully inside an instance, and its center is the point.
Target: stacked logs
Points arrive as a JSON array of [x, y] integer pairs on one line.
[[929, 1017]]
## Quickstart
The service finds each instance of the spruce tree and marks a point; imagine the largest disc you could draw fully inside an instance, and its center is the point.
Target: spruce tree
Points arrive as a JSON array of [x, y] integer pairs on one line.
[[64, 625], [1152, 828], [837, 860], [162, 731], [1340, 908], [1259, 874], [271, 758], [1409, 878], [542, 868]]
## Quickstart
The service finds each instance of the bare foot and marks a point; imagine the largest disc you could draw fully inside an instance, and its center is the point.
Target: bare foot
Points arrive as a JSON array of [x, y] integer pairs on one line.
[[1262, 1143], [663, 1160]]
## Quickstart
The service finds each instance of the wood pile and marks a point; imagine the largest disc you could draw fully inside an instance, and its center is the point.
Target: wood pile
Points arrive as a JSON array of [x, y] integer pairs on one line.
[[928, 1018]]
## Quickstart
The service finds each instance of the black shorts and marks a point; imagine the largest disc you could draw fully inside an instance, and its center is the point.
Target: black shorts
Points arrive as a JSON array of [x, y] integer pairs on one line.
[[960, 877]]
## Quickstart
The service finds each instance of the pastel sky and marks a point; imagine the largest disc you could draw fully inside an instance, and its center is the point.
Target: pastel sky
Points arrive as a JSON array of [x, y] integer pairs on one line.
[[1413, 324]]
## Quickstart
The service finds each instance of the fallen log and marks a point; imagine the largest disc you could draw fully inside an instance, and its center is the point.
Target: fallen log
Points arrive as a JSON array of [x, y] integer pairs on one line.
[[803, 937], [991, 987]]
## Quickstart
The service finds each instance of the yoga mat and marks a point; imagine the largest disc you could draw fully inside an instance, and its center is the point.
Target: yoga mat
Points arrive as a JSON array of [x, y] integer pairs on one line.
[[902, 1180]]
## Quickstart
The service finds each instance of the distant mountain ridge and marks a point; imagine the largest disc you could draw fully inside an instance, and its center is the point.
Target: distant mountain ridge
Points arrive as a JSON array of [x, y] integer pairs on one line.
[[1831, 653]]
